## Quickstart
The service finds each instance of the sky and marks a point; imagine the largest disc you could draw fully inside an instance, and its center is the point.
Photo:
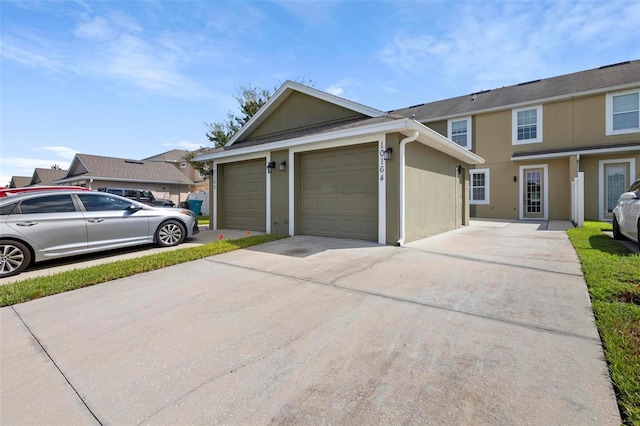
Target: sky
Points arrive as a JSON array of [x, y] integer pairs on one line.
[[133, 79]]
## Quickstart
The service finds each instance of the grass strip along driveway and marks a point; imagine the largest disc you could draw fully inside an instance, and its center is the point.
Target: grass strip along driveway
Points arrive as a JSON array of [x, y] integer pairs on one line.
[[612, 273], [34, 288]]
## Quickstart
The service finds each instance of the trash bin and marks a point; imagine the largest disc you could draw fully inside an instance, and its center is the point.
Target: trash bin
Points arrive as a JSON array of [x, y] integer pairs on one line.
[[195, 206]]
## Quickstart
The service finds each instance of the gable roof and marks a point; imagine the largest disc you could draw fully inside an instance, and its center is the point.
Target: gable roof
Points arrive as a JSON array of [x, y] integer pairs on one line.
[[172, 156], [281, 96], [606, 78], [124, 170], [42, 176], [19, 181]]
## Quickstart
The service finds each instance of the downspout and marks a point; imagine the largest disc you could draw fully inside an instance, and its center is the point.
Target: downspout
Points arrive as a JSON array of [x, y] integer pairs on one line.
[[403, 144]]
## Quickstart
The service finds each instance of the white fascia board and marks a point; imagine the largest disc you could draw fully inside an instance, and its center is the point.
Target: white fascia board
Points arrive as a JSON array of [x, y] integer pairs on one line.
[[581, 152], [293, 86], [438, 142], [429, 137], [537, 101]]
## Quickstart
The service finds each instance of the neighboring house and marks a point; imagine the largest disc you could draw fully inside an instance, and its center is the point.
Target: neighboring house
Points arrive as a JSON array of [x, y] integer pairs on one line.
[[312, 163], [538, 137], [176, 158], [46, 176], [93, 172], [19, 181]]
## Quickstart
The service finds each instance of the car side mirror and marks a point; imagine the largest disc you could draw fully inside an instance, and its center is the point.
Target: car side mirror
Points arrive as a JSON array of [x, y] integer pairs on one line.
[[629, 196], [133, 208]]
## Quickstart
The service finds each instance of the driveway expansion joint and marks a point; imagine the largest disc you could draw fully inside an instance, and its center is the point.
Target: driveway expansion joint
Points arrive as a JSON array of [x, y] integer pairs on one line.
[[533, 327], [64, 376]]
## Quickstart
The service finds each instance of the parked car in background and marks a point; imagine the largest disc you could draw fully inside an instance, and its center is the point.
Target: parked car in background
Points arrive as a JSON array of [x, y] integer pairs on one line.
[[626, 215], [8, 192], [45, 225], [141, 195]]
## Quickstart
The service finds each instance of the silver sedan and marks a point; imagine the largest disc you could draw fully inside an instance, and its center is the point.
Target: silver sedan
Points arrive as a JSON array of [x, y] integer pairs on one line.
[[48, 225]]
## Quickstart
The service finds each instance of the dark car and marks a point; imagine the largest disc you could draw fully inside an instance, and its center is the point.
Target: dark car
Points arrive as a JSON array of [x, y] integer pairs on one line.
[[45, 225], [141, 195]]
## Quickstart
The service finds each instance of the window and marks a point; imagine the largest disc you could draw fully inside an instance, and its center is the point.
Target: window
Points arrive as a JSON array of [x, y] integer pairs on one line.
[[459, 131], [479, 186], [102, 202], [623, 113], [527, 125], [48, 204]]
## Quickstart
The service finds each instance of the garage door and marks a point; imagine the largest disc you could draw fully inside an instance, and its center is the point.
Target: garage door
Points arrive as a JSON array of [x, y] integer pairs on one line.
[[338, 193], [243, 199]]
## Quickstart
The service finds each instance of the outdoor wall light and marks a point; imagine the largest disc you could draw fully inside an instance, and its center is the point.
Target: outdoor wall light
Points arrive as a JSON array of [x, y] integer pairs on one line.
[[283, 166], [271, 166], [387, 153], [459, 169], [515, 178]]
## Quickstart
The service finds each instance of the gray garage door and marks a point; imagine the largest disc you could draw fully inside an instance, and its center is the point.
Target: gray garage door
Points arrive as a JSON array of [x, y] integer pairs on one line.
[[338, 193], [243, 198]]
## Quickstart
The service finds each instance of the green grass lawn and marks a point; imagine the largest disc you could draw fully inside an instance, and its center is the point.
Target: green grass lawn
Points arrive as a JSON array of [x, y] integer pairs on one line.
[[34, 288], [612, 273]]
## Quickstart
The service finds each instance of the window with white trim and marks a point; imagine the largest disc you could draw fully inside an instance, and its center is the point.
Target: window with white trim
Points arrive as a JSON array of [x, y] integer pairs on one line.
[[459, 131], [479, 186], [527, 125], [623, 112]]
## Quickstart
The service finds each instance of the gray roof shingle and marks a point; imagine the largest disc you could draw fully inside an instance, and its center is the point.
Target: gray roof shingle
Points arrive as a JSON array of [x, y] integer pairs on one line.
[[106, 168], [528, 92]]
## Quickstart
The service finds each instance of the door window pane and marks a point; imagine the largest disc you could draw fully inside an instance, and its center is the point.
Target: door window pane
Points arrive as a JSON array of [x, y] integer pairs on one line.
[[534, 192], [616, 182]]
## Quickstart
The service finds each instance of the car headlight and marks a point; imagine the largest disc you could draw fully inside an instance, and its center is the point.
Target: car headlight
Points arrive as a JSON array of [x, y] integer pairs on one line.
[[187, 212]]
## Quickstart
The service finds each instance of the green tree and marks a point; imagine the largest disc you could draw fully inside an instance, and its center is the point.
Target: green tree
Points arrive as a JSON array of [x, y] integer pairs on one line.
[[250, 99], [56, 167]]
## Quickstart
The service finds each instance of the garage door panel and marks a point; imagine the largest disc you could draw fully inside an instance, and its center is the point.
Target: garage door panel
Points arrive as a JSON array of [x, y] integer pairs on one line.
[[339, 193], [244, 196]]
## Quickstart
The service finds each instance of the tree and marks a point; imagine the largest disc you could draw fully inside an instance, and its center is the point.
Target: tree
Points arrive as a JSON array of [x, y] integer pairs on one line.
[[56, 167], [250, 99]]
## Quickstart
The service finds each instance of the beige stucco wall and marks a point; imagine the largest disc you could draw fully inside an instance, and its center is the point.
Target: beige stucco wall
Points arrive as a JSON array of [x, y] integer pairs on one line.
[[280, 194], [432, 190], [300, 110], [590, 165]]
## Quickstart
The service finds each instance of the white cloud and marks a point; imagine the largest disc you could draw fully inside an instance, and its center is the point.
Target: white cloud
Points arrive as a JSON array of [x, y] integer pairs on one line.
[[494, 44], [189, 146], [62, 151]]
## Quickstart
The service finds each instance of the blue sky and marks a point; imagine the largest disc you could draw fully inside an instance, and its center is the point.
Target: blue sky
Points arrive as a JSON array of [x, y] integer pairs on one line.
[[136, 78]]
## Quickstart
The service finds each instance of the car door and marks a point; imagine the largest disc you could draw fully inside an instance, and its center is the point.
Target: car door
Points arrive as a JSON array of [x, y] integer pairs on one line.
[[631, 212], [111, 223], [52, 224]]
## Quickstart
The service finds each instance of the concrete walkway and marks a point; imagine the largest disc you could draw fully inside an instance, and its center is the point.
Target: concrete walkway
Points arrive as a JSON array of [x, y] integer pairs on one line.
[[489, 324]]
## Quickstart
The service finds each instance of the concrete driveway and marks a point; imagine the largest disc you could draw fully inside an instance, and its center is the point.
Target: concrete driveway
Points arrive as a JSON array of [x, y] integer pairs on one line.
[[488, 324]]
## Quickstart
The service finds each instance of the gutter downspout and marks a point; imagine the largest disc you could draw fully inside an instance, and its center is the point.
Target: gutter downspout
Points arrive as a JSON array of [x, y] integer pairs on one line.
[[403, 144]]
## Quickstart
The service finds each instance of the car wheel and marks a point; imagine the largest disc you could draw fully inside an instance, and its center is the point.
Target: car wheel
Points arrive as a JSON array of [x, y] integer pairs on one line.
[[616, 230], [14, 258], [170, 233]]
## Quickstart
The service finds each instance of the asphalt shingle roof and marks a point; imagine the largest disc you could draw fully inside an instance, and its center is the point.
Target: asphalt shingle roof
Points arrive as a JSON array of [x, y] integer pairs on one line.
[[99, 167], [528, 92], [42, 176]]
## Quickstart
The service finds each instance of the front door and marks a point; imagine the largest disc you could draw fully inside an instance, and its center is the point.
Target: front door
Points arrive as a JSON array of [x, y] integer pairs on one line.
[[534, 196]]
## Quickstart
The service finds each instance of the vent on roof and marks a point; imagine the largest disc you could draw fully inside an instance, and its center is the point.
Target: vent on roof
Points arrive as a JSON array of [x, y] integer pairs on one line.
[[614, 65], [528, 82], [415, 106], [133, 162]]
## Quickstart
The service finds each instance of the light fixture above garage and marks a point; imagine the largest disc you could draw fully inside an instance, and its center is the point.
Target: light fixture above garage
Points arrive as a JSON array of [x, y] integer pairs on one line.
[[283, 166], [387, 153], [270, 166]]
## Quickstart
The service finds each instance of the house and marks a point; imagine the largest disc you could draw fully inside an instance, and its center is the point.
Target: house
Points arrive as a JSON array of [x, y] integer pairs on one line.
[[176, 158], [312, 163], [20, 181], [544, 137], [43, 176], [93, 172]]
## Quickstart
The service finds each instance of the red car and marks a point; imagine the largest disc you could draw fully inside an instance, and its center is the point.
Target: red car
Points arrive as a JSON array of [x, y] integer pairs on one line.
[[8, 192]]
